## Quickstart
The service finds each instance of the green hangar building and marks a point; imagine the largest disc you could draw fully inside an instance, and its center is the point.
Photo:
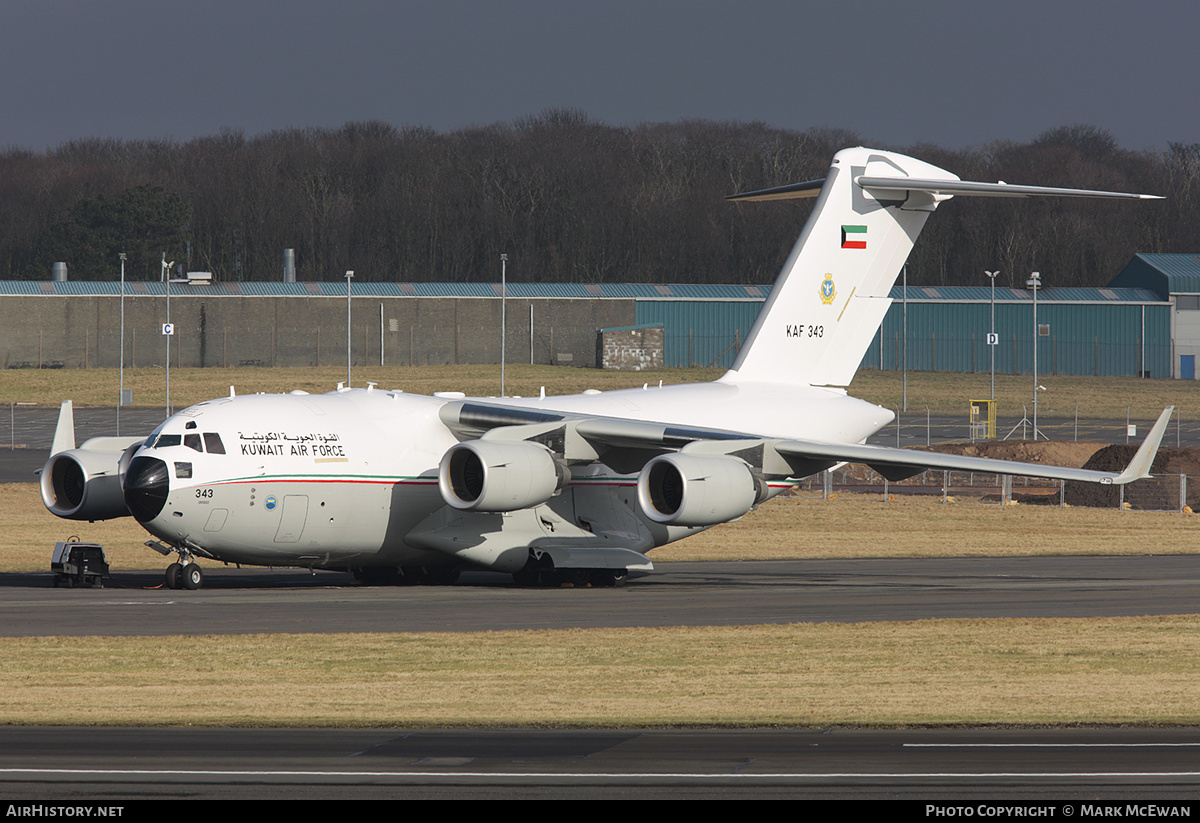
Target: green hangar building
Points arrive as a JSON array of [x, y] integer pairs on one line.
[[1079, 331], [1146, 322], [1174, 279]]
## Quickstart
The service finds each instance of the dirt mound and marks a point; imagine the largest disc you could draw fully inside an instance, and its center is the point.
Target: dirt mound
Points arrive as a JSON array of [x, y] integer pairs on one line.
[[1042, 452], [1160, 493], [1155, 494], [1046, 452]]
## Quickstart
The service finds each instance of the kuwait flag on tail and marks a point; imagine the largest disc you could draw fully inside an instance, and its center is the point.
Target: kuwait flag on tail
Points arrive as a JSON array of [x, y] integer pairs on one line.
[[854, 237]]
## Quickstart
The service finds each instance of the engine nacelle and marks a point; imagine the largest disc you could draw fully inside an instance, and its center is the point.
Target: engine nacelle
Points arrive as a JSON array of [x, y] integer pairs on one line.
[[697, 490], [486, 476], [85, 484]]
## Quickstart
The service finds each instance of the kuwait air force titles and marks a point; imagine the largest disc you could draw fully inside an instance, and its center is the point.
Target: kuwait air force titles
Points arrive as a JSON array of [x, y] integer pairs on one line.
[[399, 487]]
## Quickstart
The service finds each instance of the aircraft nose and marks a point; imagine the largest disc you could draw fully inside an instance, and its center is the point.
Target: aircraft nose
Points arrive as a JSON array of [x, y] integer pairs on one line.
[[146, 485]]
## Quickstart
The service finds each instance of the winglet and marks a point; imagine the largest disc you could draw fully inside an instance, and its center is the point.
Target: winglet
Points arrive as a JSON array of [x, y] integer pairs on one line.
[[64, 434], [1139, 466]]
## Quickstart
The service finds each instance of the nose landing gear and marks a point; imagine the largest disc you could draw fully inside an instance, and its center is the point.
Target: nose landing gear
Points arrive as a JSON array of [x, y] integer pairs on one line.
[[185, 574]]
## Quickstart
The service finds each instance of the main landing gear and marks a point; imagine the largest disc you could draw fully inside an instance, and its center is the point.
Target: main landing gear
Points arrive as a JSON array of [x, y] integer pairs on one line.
[[408, 576], [540, 572]]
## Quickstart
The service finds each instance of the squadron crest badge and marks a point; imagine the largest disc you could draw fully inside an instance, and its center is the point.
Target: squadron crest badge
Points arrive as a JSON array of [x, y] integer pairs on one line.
[[827, 291]]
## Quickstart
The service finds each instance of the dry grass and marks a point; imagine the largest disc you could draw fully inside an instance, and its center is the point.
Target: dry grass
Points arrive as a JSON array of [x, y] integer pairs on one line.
[[854, 525], [943, 392], [1117, 670], [29, 533]]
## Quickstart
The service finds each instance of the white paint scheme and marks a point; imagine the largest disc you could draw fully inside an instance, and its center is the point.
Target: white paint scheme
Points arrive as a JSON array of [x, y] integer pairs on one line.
[[362, 478]]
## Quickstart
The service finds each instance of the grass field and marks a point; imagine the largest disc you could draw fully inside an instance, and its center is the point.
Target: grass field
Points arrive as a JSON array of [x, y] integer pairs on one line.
[[942, 392], [930, 672]]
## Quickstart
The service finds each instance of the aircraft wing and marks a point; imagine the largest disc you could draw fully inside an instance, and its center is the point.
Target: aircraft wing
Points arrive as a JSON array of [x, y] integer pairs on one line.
[[896, 464], [470, 419], [627, 445]]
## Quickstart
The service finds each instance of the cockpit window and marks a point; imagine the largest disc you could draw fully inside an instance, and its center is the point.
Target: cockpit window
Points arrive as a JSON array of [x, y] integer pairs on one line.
[[209, 441]]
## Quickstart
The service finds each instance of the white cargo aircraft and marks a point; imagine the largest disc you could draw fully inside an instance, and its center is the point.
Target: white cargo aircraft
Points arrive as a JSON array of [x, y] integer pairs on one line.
[[399, 487]]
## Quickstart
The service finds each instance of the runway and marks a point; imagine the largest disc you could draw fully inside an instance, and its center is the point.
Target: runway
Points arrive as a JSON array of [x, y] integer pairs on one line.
[[247, 601], [1038, 766]]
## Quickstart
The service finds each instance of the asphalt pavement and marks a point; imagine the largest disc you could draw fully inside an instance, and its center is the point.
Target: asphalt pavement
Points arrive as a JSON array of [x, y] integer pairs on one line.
[[708, 593]]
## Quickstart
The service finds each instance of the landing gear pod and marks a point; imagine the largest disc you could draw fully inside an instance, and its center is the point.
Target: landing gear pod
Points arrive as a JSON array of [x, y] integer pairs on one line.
[[481, 475], [697, 490]]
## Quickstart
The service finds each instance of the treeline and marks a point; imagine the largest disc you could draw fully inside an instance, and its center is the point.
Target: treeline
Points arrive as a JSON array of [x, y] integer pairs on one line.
[[565, 197]]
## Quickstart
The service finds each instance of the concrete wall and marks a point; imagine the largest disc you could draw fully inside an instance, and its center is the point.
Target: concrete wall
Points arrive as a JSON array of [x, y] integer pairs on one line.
[[233, 330]]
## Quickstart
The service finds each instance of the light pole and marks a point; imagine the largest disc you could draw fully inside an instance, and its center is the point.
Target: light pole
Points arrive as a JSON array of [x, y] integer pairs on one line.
[[992, 334], [168, 330], [121, 379], [1034, 281], [904, 341], [503, 315], [349, 277]]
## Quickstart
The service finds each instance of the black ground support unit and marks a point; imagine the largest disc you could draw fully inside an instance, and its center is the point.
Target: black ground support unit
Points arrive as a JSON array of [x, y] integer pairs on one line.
[[79, 565]]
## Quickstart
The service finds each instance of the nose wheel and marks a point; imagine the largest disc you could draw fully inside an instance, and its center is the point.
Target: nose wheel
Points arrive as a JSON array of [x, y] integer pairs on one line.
[[180, 576], [185, 574]]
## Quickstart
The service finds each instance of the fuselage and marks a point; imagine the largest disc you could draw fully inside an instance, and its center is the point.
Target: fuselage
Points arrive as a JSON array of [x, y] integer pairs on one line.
[[340, 480]]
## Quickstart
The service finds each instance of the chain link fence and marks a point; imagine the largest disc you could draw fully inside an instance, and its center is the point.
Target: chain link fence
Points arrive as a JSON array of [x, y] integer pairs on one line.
[[1158, 493]]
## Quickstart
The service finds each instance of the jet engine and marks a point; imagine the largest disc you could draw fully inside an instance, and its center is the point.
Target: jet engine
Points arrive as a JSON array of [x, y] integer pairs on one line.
[[697, 490], [486, 476], [85, 483]]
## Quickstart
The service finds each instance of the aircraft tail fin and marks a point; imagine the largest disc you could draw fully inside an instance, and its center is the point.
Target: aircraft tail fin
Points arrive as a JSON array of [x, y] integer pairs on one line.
[[832, 293]]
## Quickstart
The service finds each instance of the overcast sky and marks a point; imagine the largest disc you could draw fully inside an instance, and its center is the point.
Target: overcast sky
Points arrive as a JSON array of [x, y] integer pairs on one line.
[[958, 73]]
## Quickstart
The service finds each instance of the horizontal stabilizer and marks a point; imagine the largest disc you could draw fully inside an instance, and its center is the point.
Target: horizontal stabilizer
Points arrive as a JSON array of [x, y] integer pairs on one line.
[[812, 188], [971, 188], [792, 191]]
